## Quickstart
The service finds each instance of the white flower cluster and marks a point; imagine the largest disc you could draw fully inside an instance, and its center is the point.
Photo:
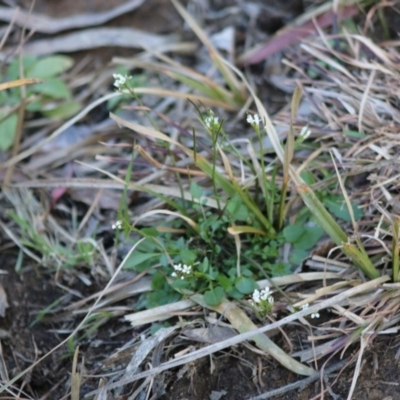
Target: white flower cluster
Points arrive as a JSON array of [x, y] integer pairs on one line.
[[313, 315], [181, 271], [305, 132], [211, 121], [253, 119], [117, 225], [120, 80], [262, 295]]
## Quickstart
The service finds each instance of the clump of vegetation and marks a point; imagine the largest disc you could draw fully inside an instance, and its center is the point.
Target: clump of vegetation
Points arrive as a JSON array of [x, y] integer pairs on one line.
[[236, 227], [50, 97]]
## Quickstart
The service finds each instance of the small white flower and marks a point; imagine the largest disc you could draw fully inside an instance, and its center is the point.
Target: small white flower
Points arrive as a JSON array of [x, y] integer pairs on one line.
[[315, 315], [119, 80], [256, 296], [181, 271], [177, 267], [211, 121], [262, 295], [117, 225], [186, 269], [253, 119], [305, 306], [305, 132]]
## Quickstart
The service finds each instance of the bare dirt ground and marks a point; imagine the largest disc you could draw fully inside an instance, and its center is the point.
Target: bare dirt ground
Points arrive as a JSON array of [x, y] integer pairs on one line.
[[237, 374]]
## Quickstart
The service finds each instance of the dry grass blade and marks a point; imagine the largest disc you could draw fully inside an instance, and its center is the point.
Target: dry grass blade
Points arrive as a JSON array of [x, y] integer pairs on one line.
[[368, 286], [146, 346], [364, 342], [75, 377], [235, 86], [160, 313], [19, 82], [19, 243], [187, 76], [298, 278], [189, 221], [196, 98], [241, 322], [148, 188]]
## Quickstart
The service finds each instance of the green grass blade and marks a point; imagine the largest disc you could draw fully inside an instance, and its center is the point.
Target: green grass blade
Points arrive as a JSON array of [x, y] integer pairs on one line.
[[357, 254]]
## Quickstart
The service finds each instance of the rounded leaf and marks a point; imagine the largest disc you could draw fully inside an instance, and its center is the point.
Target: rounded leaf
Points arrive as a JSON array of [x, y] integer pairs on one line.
[[214, 296], [49, 67], [245, 285]]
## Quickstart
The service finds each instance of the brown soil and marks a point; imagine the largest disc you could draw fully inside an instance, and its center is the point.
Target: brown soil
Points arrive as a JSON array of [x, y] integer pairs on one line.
[[23, 340], [238, 374]]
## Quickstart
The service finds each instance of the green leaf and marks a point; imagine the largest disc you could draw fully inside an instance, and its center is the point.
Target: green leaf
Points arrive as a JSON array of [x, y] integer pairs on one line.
[[281, 269], [322, 216], [309, 238], [35, 106], [245, 285], [212, 274], [8, 127], [49, 67], [297, 256], [180, 243], [149, 232], [195, 190], [64, 110], [188, 256], [164, 260], [10, 98], [337, 206], [246, 271], [236, 208], [139, 261], [214, 296], [354, 134], [54, 88], [158, 281], [225, 282], [13, 71], [181, 284], [234, 293], [292, 233], [115, 102], [203, 267], [308, 177], [161, 297]]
